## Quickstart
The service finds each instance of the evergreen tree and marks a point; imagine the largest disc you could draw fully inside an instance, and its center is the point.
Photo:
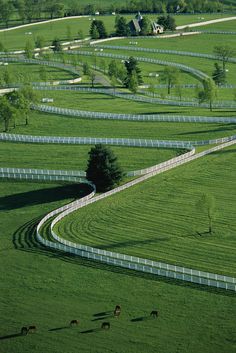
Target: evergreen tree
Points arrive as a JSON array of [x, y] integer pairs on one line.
[[97, 30], [29, 50], [145, 26], [56, 45], [121, 27], [168, 22], [103, 169], [132, 67], [133, 82], [218, 75]]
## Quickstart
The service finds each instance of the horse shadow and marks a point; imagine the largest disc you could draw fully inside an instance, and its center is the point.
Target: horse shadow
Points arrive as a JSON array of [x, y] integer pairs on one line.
[[92, 330], [141, 318], [10, 336], [58, 328], [102, 316]]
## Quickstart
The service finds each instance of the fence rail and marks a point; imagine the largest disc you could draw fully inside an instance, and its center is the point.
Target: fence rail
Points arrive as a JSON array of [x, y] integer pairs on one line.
[[139, 98], [127, 261], [201, 75], [41, 62], [161, 51], [112, 141]]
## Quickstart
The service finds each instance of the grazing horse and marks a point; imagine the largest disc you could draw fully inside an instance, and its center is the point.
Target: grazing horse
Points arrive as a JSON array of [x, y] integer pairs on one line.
[[74, 323], [117, 310], [32, 329], [105, 326], [154, 313], [24, 331]]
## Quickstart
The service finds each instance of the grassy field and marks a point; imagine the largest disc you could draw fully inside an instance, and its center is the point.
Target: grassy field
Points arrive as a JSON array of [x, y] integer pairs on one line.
[[202, 64], [50, 289], [159, 219], [200, 43], [49, 124], [162, 220], [17, 38], [33, 156], [106, 103], [20, 73]]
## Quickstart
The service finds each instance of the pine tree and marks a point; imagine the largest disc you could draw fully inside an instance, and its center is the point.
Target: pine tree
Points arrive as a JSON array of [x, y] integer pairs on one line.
[[132, 67], [103, 169], [218, 75]]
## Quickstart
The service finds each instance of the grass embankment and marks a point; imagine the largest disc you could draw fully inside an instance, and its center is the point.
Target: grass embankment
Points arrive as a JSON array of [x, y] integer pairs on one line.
[[162, 220], [49, 289]]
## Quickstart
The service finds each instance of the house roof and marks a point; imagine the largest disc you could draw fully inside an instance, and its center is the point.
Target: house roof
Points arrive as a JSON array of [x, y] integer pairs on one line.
[[134, 26]]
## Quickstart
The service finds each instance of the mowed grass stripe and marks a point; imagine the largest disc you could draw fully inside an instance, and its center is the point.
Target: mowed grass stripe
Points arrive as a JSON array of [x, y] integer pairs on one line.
[[161, 219]]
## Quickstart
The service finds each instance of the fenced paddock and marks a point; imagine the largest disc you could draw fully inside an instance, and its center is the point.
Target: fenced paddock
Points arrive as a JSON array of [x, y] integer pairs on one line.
[[132, 262]]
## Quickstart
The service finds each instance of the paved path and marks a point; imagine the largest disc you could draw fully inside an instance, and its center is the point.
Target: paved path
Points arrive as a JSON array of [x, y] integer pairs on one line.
[[207, 22]]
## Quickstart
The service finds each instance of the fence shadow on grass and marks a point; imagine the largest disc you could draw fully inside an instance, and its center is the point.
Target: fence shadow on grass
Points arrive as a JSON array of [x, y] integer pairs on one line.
[[43, 196]]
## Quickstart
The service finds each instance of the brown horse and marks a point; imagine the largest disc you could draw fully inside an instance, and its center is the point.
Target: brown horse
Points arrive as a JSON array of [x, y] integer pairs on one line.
[[24, 330], [154, 313], [74, 323], [117, 311], [32, 329], [105, 326]]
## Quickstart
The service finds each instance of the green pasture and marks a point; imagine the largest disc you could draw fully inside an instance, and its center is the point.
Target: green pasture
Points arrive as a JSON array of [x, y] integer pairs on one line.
[[102, 103], [198, 43], [221, 26], [161, 219], [202, 64], [17, 38], [20, 73], [22, 155], [49, 289], [56, 125]]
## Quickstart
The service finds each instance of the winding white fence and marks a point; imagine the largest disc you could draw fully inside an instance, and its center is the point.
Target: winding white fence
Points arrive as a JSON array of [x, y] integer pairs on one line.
[[201, 75], [140, 98], [121, 116], [42, 62], [161, 51], [131, 262]]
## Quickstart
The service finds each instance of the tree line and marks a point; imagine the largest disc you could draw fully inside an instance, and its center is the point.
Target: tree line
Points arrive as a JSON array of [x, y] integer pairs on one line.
[[32, 10]]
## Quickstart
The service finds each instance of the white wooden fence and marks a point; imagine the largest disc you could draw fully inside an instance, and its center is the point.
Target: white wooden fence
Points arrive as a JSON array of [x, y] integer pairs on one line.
[[127, 261]]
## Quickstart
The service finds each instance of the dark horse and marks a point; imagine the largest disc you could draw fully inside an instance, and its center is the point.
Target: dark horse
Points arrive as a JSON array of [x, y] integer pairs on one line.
[[74, 323], [32, 329], [105, 325], [117, 310], [24, 330], [154, 313]]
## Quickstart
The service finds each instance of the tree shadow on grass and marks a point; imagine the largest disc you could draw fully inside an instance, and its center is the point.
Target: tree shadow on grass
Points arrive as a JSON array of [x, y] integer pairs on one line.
[[42, 196]]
